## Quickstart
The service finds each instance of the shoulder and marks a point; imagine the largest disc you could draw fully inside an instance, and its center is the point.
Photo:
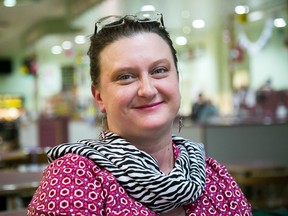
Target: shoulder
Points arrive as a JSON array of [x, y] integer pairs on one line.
[[221, 194], [73, 184], [214, 168], [74, 160], [69, 184], [218, 179], [76, 166]]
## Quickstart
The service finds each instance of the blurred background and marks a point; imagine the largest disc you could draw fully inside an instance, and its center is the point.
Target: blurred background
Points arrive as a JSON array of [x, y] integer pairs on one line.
[[233, 64]]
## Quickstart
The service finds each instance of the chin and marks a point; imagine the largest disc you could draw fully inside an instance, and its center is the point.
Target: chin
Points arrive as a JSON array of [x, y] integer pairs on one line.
[[156, 126]]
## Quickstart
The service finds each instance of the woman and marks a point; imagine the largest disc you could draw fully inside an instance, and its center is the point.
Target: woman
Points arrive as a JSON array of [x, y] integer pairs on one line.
[[136, 167]]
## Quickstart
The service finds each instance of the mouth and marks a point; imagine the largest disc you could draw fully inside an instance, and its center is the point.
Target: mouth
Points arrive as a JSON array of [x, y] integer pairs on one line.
[[147, 106]]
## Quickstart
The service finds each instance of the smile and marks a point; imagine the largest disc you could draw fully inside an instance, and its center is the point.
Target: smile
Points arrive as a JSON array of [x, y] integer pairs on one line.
[[149, 105]]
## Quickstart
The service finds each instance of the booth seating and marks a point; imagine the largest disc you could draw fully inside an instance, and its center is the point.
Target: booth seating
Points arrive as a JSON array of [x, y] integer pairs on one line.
[[17, 188], [265, 185], [20, 174], [16, 158]]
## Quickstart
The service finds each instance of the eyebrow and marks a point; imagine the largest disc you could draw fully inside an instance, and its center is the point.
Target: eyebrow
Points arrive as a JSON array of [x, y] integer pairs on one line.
[[119, 70]]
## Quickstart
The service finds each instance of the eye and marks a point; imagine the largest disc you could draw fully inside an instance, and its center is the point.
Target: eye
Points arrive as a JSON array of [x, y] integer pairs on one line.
[[160, 73], [125, 77], [160, 70]]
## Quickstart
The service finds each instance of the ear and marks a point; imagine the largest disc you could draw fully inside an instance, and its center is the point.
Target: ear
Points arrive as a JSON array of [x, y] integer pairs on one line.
[[97, 98]]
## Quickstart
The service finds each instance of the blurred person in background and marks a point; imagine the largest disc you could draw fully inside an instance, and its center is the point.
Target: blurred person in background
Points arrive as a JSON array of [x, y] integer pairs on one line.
[[203, 110]]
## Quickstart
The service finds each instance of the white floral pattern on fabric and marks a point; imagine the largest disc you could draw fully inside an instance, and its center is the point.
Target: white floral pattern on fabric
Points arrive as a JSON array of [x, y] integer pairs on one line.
[[94, 191], [74, 185], [221, 196]]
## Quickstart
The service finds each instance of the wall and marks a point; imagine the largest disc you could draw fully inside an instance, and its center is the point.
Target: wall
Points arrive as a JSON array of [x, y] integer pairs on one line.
[[255, 144], [271, 62], [198, 74], [241, 144]]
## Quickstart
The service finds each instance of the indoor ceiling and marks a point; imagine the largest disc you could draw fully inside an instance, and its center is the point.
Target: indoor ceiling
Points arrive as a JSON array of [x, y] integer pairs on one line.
[[31, 20]]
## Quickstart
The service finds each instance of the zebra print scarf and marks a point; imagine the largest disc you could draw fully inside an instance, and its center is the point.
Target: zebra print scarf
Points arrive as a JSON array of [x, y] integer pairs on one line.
[[139, 173]]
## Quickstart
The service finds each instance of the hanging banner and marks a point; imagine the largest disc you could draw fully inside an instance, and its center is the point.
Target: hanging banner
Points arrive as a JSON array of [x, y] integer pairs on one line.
[[256, 46]]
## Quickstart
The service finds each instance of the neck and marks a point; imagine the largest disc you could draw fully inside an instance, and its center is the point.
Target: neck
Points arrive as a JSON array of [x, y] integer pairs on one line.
[[165, 158], [157, 143], [161, 149]]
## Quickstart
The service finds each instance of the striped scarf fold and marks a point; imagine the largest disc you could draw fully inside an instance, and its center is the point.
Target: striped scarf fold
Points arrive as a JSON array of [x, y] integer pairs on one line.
[[138, 172]]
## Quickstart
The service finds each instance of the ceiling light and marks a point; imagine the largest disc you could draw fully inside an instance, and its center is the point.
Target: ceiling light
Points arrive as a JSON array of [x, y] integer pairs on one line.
[[181, 40], [241, 9], [66, 45], [56, 50], [148, 8], [279, 23], [198, 23], [9, 3], [80, 39]]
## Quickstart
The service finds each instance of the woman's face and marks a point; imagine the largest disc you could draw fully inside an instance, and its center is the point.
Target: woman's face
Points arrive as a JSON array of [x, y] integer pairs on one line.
[[139, 86]]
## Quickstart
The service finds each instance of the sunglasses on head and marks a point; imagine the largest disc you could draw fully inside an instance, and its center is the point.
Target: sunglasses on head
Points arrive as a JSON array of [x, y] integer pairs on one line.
[[141, 17]]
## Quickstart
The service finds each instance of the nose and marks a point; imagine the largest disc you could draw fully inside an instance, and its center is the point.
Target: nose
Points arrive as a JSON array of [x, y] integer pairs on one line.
[[147, 87]]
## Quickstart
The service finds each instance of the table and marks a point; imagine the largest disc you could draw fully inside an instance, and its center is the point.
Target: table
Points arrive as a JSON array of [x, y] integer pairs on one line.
[[21, 212], [15, 184], [13, 159]]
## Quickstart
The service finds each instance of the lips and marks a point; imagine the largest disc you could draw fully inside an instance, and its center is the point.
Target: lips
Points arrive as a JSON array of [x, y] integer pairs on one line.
[[145, 106]]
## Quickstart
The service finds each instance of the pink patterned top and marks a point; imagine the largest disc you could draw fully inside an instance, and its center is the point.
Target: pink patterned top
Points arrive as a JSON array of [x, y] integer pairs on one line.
[[74, 185]]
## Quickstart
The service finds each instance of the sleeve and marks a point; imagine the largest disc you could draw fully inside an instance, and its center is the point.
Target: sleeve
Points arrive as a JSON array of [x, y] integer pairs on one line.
[[69, 186]]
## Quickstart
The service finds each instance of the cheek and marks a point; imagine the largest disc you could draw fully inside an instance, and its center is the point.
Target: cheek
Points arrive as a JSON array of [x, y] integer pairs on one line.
[[173, 88], [114, 100], [175, 94]]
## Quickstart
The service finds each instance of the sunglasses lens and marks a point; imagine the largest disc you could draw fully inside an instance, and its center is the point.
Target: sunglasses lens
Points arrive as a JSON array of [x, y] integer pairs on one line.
[[147, 15], [112, 21], [109, 21]]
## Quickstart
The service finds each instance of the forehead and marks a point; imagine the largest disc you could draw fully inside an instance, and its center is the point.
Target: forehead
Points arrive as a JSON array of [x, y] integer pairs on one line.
[[138, 45]]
